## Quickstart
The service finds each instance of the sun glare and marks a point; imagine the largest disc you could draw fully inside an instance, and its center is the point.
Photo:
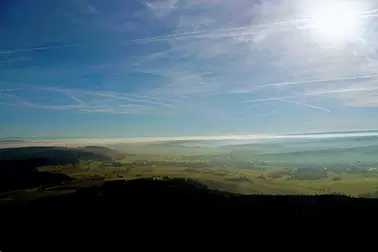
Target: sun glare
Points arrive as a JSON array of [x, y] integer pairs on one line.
[[335, 21]]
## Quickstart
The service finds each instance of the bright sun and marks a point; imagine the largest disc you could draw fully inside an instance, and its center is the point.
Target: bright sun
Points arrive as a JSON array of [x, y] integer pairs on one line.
[[335, 21]]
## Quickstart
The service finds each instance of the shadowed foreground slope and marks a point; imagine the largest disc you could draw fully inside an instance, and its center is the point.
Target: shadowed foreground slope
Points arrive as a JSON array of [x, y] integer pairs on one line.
[[121, 197]]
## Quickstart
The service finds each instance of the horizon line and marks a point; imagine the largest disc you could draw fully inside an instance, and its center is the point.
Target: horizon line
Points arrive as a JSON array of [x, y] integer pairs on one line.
[[235, 134], [70, 142]]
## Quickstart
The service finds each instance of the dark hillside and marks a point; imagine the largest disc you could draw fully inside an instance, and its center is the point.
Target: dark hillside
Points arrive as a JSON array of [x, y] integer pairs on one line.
[[55, 155], [22, 174], [18, 166], [189, 194]]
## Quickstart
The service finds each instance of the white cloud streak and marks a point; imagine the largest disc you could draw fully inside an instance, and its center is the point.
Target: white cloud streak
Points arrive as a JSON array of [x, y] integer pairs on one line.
[[317, 93], [366, 76], [75, 98], [89, 101], [161, 8], [306, 105], [42, 48]]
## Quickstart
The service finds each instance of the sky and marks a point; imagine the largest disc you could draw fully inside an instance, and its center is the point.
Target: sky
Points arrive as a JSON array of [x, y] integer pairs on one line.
[[155, 68]]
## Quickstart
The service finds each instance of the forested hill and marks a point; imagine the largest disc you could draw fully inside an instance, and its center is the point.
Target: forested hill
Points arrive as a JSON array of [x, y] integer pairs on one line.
[[57, 155], [18, 166]]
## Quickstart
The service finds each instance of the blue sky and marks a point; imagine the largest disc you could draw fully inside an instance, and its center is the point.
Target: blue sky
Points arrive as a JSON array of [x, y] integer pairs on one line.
[[144, 68]]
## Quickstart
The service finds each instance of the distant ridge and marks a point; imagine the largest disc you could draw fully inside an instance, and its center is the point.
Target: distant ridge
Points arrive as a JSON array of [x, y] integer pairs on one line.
[[11, 141], [334, 132], [81, 142]]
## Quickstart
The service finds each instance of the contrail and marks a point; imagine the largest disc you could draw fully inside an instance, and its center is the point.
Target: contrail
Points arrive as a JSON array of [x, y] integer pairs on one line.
[[318, 93], [74, 98], [345, 90], [54, 107], [156, 55], [66, 92], [366, 76], [306, 105], [270, 99], [273, 112], [10, 89], [368, 12], [109, 94], [194, 34], [43, 48], [126, 98], [197, 33], [16, 60]]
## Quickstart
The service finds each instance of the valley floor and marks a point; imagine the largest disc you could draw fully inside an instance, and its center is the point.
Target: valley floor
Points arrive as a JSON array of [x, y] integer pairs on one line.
[[275, 180]]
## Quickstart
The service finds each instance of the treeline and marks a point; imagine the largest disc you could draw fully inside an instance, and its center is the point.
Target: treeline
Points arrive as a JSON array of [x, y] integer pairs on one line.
[[19, 166], [52, 155], [23, 174]]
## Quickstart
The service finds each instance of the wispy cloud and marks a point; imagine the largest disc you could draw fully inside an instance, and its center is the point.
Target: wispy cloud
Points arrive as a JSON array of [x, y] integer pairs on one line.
[[86, 100], [161, 8], [306, 105], [206, 56], [11, 60], [272, 55], [75, 98], [92, 9], [42, 48], [358, 77], [327, 92]]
